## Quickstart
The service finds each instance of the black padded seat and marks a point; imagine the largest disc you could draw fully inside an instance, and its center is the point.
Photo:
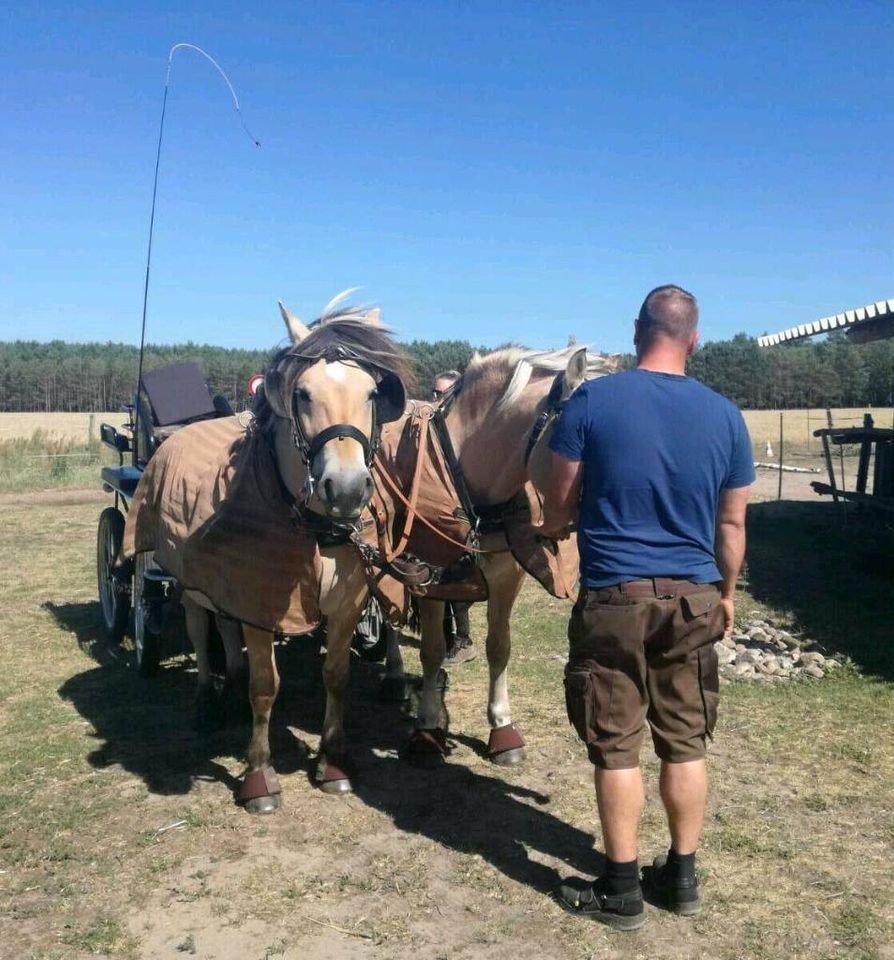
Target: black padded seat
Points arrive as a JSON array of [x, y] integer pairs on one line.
[[178, 394]]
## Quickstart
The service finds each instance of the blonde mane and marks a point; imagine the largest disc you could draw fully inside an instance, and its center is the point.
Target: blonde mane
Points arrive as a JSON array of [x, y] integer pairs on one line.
[[515, 367]]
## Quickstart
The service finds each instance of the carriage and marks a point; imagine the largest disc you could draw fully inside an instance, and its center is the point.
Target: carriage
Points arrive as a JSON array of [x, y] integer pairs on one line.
[[137, 595]]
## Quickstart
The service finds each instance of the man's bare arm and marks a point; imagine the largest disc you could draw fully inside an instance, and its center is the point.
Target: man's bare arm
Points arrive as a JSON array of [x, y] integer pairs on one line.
[[561, 495], [729, 546]]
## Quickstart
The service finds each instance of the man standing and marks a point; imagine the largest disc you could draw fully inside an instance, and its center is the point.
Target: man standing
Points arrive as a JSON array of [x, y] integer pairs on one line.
[[659, 467], [456, 612]]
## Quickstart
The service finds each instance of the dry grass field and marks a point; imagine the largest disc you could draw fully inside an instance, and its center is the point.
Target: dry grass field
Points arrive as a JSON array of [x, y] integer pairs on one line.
[[70, 426], [119, 836], [798, 427]]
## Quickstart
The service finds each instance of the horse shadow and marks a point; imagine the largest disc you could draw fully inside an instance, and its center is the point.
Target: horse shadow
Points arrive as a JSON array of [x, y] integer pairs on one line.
[[145, 726]]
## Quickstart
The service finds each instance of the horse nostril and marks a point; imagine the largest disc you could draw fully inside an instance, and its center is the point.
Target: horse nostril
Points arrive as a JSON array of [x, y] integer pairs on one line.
[[369, 484], [327, 489]]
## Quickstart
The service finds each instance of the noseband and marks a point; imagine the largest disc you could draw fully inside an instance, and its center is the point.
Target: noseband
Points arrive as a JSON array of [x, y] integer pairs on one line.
[[309, 447]]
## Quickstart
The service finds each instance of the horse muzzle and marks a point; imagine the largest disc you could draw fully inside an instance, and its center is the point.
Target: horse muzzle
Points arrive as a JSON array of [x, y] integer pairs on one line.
[[343, 493]]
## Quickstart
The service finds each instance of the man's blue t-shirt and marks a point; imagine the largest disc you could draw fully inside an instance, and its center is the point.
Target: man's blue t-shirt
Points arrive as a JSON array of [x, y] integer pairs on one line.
[[657, 449]]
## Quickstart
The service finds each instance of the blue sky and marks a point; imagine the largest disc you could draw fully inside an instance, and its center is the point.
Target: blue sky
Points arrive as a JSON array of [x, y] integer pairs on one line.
[[491, 171]]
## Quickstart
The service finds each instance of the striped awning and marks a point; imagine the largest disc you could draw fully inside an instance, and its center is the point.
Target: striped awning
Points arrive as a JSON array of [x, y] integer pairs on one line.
[[872, 312]]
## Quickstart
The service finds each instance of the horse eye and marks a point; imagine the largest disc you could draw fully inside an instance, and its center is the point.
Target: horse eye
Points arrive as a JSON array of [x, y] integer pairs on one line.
[[302, 395]]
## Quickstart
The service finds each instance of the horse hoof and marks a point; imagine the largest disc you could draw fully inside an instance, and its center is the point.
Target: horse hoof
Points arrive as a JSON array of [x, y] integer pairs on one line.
[[509, 758], [427, 748], [262, 805], [331, 778], [506, 746], [260, 791], [394, 690]]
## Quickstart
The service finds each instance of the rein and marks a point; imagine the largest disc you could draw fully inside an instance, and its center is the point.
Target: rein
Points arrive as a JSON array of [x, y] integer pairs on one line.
[[493, 516]]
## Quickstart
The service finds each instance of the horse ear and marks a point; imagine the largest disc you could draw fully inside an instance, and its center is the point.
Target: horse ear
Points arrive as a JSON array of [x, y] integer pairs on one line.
[[273, 392], [374, 317], [391, 398], [575, 371], [297, 330]]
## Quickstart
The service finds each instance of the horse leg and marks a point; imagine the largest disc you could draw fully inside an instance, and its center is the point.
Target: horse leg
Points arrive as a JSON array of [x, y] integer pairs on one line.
[[197, 628], [393, 686], [343, 597], [260, 791], [505, 746], [428, 743], [235, 691]]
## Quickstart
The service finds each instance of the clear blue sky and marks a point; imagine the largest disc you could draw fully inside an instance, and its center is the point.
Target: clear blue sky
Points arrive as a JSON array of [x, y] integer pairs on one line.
[[490, 171]]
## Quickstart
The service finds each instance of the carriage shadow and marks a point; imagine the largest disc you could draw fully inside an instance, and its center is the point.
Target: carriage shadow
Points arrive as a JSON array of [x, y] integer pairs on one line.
[[831, 573]]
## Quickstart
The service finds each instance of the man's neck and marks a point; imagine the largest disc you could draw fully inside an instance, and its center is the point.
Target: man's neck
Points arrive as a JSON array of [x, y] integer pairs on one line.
[[663, 361]]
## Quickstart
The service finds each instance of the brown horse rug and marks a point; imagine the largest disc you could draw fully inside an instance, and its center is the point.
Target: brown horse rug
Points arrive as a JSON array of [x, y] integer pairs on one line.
[[211, 506]]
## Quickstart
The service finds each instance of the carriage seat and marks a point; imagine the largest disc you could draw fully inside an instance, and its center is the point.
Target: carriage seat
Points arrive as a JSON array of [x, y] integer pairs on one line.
[[172, 397], [177, 394]]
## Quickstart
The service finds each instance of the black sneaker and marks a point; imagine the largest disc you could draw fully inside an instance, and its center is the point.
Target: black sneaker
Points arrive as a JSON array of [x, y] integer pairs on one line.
[[621, 911], [460, 651], [679, 894]]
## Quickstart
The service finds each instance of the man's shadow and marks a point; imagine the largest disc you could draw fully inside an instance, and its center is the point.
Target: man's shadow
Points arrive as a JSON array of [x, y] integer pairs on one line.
[[146, 725]]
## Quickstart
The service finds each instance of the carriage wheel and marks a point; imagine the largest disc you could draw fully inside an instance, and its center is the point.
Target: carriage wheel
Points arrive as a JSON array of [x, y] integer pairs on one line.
[[146, 643], [114, 601]]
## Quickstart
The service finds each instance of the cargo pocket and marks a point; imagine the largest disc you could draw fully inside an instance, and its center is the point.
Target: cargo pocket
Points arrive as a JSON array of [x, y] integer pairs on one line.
[[579, 700], [709, 684]]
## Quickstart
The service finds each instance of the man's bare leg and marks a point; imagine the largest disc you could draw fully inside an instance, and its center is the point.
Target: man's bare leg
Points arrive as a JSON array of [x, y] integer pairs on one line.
[[684, 791], [621, 800]]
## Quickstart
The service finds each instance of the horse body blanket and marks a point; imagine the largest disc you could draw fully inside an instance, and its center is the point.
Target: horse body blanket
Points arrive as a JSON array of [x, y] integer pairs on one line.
[[210, 505]]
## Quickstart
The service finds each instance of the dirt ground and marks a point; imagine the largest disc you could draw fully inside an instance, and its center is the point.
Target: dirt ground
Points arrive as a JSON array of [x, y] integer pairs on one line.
[[119, 836]]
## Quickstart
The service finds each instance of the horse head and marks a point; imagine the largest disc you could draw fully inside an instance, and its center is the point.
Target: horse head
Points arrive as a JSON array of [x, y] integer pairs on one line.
[[508, 403], [325, 398]]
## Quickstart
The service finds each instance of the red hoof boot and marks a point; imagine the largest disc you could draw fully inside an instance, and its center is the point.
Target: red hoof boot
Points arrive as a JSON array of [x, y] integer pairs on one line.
[[260, 791], [506, 746], [427, 748], [330, 777]]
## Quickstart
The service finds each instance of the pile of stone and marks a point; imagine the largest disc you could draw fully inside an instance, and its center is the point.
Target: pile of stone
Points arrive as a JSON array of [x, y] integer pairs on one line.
[[761, 653]]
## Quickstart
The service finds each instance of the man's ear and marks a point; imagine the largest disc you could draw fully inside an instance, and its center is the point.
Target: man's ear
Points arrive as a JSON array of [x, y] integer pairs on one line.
[[636, 332], [693, 344], [297, 330]]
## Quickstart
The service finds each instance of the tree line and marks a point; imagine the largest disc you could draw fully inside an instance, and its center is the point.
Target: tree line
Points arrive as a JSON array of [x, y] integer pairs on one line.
[[101, 376]]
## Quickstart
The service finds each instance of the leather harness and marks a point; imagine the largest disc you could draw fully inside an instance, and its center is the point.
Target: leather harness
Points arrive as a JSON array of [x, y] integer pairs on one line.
[[483, 520]]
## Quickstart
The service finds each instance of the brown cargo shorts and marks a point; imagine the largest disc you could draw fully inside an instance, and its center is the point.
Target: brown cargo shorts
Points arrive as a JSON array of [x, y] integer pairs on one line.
[[644, 650]]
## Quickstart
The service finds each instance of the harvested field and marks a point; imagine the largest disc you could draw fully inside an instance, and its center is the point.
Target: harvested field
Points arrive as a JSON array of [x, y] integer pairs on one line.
[[798, 427], [70, 426], [119, 836]]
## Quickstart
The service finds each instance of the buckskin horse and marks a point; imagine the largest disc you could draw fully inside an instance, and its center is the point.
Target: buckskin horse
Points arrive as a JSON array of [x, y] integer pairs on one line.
[[492, 429], [262, 521]]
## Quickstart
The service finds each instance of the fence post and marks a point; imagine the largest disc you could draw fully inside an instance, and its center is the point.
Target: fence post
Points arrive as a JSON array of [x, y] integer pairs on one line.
[[781, 438], [90, 429]]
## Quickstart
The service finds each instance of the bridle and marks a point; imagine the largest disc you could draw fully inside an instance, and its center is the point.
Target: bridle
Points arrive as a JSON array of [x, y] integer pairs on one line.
[[554, 406], [490, 518]]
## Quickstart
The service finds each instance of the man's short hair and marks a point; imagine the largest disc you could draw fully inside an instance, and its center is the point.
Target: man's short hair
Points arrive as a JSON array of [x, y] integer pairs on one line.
[[451, 375], [669, 311]]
